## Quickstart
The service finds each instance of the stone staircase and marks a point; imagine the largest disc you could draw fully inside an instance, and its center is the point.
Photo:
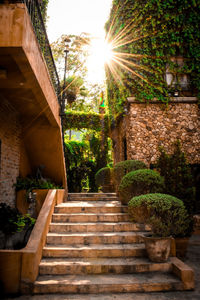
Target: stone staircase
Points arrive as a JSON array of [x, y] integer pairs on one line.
[[92, 248]]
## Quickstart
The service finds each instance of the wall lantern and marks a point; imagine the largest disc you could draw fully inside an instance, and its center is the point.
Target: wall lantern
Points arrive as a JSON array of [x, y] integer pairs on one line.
[[177, 82]]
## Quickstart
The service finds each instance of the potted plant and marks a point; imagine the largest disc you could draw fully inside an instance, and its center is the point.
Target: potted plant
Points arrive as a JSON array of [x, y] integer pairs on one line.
[[179, 182], [167, 217]]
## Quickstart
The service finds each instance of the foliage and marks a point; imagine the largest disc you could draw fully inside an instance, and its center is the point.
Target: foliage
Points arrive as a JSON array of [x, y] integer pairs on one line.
[[83, 159], [77, 56], [140, 182], [153, 32], [124, 167], [80, 119], [74, 153], [11, 220], [43, 7], [177, 175], [103, 176], [166, 214], [30, 183]]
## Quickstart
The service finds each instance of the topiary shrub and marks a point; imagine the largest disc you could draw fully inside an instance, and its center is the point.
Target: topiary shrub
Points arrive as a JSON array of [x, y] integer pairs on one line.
[[140, 182], [165, 214], [124, 167], [103, 177]]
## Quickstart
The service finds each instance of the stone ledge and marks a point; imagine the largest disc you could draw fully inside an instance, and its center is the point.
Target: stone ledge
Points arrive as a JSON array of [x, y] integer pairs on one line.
[[189, 100], [184, 272]]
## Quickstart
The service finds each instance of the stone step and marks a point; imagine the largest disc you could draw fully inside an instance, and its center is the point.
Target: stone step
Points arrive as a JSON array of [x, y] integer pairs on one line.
[[82, 217], [78, 266], [126, 283], [87, 238], [95, 250], [90, 207], [90, 198], [91, 195], [97, 227]]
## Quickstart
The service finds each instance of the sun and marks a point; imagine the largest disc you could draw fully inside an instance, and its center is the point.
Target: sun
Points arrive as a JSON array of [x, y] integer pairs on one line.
[[100, 53]]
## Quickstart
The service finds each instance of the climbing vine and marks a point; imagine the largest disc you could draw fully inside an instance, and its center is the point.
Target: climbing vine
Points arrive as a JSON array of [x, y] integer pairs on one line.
[[153, 32], [85, 120]]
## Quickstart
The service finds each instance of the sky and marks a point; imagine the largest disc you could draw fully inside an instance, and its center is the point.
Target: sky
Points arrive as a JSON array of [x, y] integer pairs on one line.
[[75, 17]]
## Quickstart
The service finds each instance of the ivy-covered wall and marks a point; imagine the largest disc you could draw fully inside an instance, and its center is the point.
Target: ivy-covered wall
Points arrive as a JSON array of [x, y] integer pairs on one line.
[[149, 33]]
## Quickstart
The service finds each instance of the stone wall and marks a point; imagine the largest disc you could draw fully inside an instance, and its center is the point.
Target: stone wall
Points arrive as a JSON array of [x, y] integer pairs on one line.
[[118, 136], [10, 131], [154, 125]]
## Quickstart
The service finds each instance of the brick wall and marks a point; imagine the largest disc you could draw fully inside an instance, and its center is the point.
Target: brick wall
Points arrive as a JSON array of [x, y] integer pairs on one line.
[[154, 125], [10, 131]]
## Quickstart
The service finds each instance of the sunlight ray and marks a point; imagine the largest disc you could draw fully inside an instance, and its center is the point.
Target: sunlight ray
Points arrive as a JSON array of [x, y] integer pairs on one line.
[[130, 70], [134, 64], [131, 41], [116, 76]]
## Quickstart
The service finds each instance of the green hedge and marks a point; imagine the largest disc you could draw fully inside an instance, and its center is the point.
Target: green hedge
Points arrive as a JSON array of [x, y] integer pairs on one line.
[[165, 214], [80, 119], [124, 167], [140, 182]]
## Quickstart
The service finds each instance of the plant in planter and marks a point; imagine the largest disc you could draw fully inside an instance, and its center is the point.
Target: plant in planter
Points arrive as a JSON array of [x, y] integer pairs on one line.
[[27, 185], [124, 167], [140, 182], [167, 217], [177, 176], [179, 182], [15, 228], [103, 179]]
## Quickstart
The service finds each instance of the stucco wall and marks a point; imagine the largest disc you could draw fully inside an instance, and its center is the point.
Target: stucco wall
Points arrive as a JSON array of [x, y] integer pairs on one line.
[[10, 131], [156, 125]]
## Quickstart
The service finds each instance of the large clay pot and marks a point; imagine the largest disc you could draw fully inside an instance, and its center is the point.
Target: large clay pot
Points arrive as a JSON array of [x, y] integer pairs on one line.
[[158, 249]]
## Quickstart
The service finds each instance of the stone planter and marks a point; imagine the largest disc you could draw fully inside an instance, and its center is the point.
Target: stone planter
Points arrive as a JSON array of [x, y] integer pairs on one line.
[[158, 249]]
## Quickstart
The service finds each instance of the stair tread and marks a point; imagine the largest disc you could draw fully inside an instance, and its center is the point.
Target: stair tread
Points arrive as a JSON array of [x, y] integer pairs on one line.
[[94, 223], [90, 214], [108, 279], [91, 194], [95, 246], [101, 233], [90, 204], [99, 261]]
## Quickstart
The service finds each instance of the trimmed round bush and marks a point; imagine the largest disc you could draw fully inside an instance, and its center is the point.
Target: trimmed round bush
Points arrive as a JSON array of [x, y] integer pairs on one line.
[[103, 177], [140, 182], [124, 167], [165, 214]]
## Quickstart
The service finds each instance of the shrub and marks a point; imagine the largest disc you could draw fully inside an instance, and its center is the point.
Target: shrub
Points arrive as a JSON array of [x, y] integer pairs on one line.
[[177, 175], [11, 220], [140, 182], [165, 214], [103, 177], [124, 167]]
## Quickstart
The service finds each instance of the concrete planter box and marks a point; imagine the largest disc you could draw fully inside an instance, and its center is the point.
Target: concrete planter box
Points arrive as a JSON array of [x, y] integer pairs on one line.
[[22, 204], [19, 268]]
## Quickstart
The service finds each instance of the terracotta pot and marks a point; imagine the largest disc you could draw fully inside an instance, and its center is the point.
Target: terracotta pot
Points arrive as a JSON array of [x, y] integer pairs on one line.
[[158, 249], [181, 246]]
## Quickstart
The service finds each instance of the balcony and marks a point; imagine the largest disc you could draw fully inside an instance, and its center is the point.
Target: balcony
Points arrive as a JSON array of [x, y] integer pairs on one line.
[[30, 84]]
